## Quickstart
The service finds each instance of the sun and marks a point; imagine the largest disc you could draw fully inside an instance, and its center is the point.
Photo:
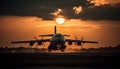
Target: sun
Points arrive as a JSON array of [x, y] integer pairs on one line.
[[60, 20]]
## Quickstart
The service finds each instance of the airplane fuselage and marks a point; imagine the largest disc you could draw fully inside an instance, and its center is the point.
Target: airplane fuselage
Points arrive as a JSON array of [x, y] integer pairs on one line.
[[57, 42]]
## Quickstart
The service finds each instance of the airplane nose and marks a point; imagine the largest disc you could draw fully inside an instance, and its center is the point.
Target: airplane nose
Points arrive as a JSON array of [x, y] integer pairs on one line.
[[59, 41]]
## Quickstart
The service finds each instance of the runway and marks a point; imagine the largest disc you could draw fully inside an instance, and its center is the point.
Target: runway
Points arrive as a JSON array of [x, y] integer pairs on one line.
[[60, 59]]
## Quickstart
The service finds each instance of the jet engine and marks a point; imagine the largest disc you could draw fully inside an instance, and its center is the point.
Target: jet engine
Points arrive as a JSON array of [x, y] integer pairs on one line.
[[70, 42], [79, 43], [31, 43], [39, 43]]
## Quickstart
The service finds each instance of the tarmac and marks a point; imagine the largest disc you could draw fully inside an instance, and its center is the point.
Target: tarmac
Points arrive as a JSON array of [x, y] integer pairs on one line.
[[60, 59]]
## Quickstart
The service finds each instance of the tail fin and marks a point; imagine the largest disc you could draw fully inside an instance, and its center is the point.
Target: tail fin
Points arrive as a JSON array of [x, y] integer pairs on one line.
[[55, 30]]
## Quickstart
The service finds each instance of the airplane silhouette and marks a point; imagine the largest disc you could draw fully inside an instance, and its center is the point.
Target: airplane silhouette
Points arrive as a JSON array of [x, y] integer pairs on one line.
[[57, 41]]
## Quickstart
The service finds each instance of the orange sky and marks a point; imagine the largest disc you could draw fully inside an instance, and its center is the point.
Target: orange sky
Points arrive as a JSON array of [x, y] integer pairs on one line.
[[15, 28]]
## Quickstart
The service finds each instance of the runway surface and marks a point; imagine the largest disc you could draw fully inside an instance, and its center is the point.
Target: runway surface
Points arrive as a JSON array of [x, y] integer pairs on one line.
[[60, 59]]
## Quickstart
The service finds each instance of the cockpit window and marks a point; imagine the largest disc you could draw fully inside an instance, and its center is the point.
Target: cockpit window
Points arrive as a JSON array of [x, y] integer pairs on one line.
[[58, 35]]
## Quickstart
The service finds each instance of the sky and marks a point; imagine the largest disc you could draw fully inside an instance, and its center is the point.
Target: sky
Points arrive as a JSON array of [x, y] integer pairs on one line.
[[96, 20]]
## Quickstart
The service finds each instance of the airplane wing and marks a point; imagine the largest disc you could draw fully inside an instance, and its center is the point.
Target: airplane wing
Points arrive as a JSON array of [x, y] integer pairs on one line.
[[82, 41], [89, 41], [50, 35], [46, 35], [28, 41]]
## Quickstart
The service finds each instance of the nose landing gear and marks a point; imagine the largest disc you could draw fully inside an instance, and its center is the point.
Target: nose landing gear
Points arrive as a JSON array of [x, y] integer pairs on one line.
[[57, 47], [62, 50], [49, 50]]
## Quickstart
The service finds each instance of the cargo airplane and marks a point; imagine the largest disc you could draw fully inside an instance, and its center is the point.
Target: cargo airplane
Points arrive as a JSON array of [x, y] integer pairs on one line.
[[57, 41]]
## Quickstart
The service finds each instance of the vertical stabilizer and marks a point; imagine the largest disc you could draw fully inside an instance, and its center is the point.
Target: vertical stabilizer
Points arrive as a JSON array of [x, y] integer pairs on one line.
[[55, 30]]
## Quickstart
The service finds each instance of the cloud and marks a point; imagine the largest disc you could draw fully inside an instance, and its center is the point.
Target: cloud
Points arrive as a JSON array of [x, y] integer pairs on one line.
[[77, 9], [85, 9], [103, 12], [39, 8], [103, 2], [56, 13], [99, 2]]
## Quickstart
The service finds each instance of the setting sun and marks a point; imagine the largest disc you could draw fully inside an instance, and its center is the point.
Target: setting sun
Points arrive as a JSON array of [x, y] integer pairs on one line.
[[60, 20]]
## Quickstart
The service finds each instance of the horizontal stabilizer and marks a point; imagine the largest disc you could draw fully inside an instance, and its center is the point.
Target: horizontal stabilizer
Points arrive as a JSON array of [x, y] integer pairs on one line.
[[50, 35], [46, 35]]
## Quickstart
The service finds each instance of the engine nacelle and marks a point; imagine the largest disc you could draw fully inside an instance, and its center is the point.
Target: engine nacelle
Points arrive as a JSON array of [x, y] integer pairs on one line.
[[39, 42], [79, 43], [31, 43], [70, 42]]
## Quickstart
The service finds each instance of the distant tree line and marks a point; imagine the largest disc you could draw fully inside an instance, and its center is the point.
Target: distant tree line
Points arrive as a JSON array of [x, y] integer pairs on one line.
[[107, 49]]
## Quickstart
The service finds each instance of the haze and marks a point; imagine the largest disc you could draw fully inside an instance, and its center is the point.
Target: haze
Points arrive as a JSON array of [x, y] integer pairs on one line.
[[96, 20], [15, 28]]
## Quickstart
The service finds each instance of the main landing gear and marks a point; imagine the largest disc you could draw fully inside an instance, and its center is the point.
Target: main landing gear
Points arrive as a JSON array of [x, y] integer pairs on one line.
[[62, 50], [58, 47], [50, 50]]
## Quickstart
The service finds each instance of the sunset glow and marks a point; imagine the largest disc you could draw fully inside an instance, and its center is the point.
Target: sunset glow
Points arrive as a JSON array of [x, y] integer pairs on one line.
[[28, 27], [95, 20], [60, 20]]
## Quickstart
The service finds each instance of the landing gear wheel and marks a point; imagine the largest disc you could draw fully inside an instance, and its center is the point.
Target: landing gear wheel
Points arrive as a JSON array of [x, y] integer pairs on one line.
[[49, 50], [62, 50]]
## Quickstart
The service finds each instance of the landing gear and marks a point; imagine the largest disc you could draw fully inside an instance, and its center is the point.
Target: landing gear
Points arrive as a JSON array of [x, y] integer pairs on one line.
[[62, 50], [56, 47], [49, 50]]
